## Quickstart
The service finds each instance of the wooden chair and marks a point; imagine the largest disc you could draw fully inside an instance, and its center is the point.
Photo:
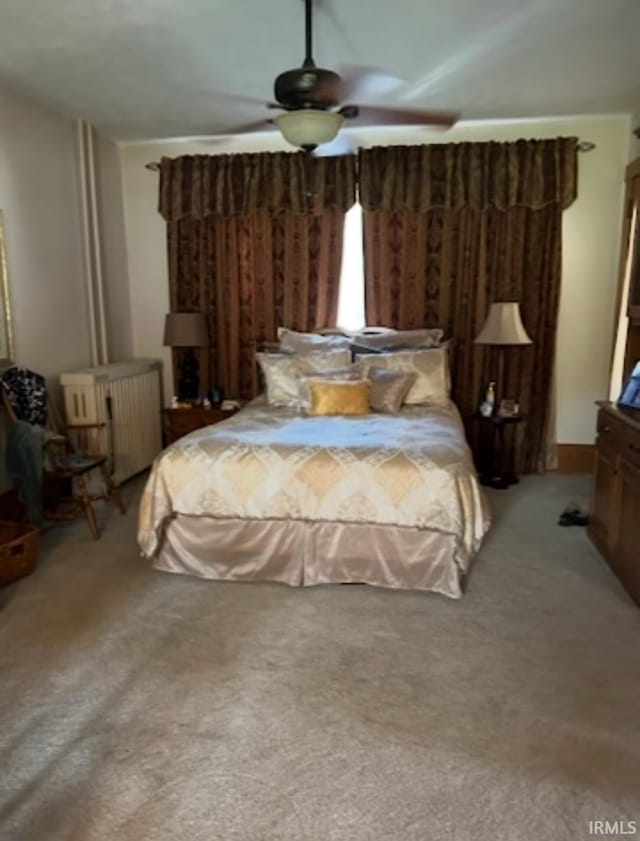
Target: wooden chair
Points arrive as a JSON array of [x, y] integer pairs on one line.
[[65, 469]]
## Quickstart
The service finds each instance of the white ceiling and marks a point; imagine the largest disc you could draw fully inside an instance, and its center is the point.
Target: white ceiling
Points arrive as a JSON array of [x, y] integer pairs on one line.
[[143, 69]]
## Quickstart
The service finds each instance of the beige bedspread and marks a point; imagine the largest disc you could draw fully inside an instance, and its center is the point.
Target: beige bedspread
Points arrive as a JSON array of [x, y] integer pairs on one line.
[[412, 469]]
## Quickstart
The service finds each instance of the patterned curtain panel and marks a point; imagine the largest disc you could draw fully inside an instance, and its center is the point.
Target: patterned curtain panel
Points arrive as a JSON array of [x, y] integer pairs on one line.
[[439, 251], [254, 241], [252, 274], [199, 186], [526, 173]]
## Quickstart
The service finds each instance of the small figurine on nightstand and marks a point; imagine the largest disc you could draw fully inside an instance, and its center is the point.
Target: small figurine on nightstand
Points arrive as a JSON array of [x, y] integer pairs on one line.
[[489, 403]]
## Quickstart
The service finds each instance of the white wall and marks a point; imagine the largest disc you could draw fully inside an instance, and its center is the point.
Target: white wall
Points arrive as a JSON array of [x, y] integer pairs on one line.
[[591, 240], [115, 268], [39, 194]]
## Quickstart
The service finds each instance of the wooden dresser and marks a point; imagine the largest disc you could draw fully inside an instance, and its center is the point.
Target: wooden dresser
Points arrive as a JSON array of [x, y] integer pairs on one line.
[[615, 503]]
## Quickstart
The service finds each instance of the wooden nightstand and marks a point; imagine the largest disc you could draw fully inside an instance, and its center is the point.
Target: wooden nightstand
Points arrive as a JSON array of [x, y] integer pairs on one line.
[[179, 422], [495, 458]]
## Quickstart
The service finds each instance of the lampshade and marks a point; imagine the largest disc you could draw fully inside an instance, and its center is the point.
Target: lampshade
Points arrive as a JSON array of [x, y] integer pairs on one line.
[[186, 329], [503, 326], [308, 127]]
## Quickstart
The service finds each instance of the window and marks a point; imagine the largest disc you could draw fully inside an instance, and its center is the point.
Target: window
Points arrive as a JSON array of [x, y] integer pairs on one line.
[[351, 294]]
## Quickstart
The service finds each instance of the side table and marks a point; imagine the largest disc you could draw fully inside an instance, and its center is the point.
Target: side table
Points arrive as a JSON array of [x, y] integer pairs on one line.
[[496, 449], [179, 422]]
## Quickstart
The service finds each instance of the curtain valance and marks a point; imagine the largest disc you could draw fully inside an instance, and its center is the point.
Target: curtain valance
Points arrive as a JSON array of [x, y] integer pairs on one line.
[[198, 186], [524, 173]]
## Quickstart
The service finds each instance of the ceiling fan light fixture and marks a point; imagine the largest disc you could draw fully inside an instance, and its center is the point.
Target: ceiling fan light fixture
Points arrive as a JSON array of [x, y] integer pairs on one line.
[[307, 128]]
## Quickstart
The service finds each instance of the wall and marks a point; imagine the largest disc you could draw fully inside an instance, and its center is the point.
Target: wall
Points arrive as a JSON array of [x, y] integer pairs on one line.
[[115, 268], [591, 238], [39, 194]]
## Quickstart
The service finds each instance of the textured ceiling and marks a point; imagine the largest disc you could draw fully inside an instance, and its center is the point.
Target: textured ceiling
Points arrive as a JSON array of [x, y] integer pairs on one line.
[[143, 69]]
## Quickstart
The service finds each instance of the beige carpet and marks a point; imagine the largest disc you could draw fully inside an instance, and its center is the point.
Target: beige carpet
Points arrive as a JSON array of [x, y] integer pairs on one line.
[[140, 706]]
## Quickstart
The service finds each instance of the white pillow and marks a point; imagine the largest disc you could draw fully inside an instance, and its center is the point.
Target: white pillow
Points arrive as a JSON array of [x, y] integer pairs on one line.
[[424, 338], [431, 367], [294, 342], [282, 372]]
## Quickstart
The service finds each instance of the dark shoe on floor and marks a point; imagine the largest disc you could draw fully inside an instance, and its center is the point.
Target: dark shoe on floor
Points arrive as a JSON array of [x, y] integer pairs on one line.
[[573, 517]]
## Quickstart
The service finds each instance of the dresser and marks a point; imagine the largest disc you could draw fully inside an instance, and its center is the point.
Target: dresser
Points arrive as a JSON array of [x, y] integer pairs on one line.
[[179, 422], [614, 524]]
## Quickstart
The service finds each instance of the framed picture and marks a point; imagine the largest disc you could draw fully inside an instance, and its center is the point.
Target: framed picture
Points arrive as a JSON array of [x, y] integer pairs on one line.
[[6, 334], [508, 408], [630, 396]]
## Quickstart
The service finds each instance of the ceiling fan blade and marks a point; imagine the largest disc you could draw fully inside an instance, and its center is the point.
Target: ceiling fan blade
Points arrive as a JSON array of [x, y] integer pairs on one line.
[[367, 83], [382, 115], [256, 125], [233, 98]]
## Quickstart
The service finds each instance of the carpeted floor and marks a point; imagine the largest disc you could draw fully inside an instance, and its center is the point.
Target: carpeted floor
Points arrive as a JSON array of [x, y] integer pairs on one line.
[[140, 706]]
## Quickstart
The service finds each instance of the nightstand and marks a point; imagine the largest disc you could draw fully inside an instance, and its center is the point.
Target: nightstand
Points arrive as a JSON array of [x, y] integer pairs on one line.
[[179, 422], [496, 449]]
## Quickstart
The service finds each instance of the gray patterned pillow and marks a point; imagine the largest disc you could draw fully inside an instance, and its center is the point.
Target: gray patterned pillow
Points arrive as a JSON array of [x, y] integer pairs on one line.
[[389, 389], [282, 372], [431, 367], [294, 342]]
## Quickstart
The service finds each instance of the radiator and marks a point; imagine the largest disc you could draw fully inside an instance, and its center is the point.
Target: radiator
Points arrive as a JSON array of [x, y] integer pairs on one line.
[[125, 399]]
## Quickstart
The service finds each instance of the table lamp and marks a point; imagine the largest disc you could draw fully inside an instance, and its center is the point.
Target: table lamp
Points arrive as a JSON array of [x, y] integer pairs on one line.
[[503, 328], [188, 330]]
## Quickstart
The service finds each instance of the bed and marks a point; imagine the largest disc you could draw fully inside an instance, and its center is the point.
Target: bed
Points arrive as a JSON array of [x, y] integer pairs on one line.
[[390, 500]]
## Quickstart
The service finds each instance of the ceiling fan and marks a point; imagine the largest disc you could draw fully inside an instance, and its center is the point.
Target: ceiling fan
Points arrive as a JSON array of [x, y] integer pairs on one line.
[[310, 98]]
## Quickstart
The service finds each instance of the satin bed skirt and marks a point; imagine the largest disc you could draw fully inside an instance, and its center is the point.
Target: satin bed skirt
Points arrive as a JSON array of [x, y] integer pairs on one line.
[[300, 553]]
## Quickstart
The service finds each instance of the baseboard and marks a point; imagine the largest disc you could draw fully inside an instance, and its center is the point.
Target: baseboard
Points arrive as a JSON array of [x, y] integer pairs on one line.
[[576, 458]]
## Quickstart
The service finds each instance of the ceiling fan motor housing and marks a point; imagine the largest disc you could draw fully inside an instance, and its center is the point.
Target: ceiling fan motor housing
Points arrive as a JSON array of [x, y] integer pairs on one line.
[[308, 87]]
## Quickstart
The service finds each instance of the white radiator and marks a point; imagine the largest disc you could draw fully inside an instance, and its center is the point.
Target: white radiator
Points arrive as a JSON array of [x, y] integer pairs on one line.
[[125, 397]]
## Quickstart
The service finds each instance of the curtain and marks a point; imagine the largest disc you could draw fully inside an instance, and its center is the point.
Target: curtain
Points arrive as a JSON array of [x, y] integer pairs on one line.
[[255, 241], [449, 229], [199, 186]]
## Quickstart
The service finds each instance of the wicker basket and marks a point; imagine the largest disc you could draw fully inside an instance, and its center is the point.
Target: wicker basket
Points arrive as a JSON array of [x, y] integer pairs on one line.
[[18, 550]]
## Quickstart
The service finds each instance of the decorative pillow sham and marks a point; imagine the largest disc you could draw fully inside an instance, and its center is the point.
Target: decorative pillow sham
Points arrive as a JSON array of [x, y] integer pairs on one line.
[[348, 374], [389, 389], [295, 342], [431, 367], [424, 338], [282, 372], [339, 397]]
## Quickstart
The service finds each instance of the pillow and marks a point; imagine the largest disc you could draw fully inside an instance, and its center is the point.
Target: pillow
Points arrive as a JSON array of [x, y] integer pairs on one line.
[[357, 349], [406, 338], [373, 331], [339, 397], [350, 373], [389, 388], [294, 342], [282, 372], [431, 367]]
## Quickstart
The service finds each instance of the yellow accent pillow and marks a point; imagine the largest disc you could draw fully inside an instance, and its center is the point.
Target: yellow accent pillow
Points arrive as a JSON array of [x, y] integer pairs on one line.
[[339, 398]]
